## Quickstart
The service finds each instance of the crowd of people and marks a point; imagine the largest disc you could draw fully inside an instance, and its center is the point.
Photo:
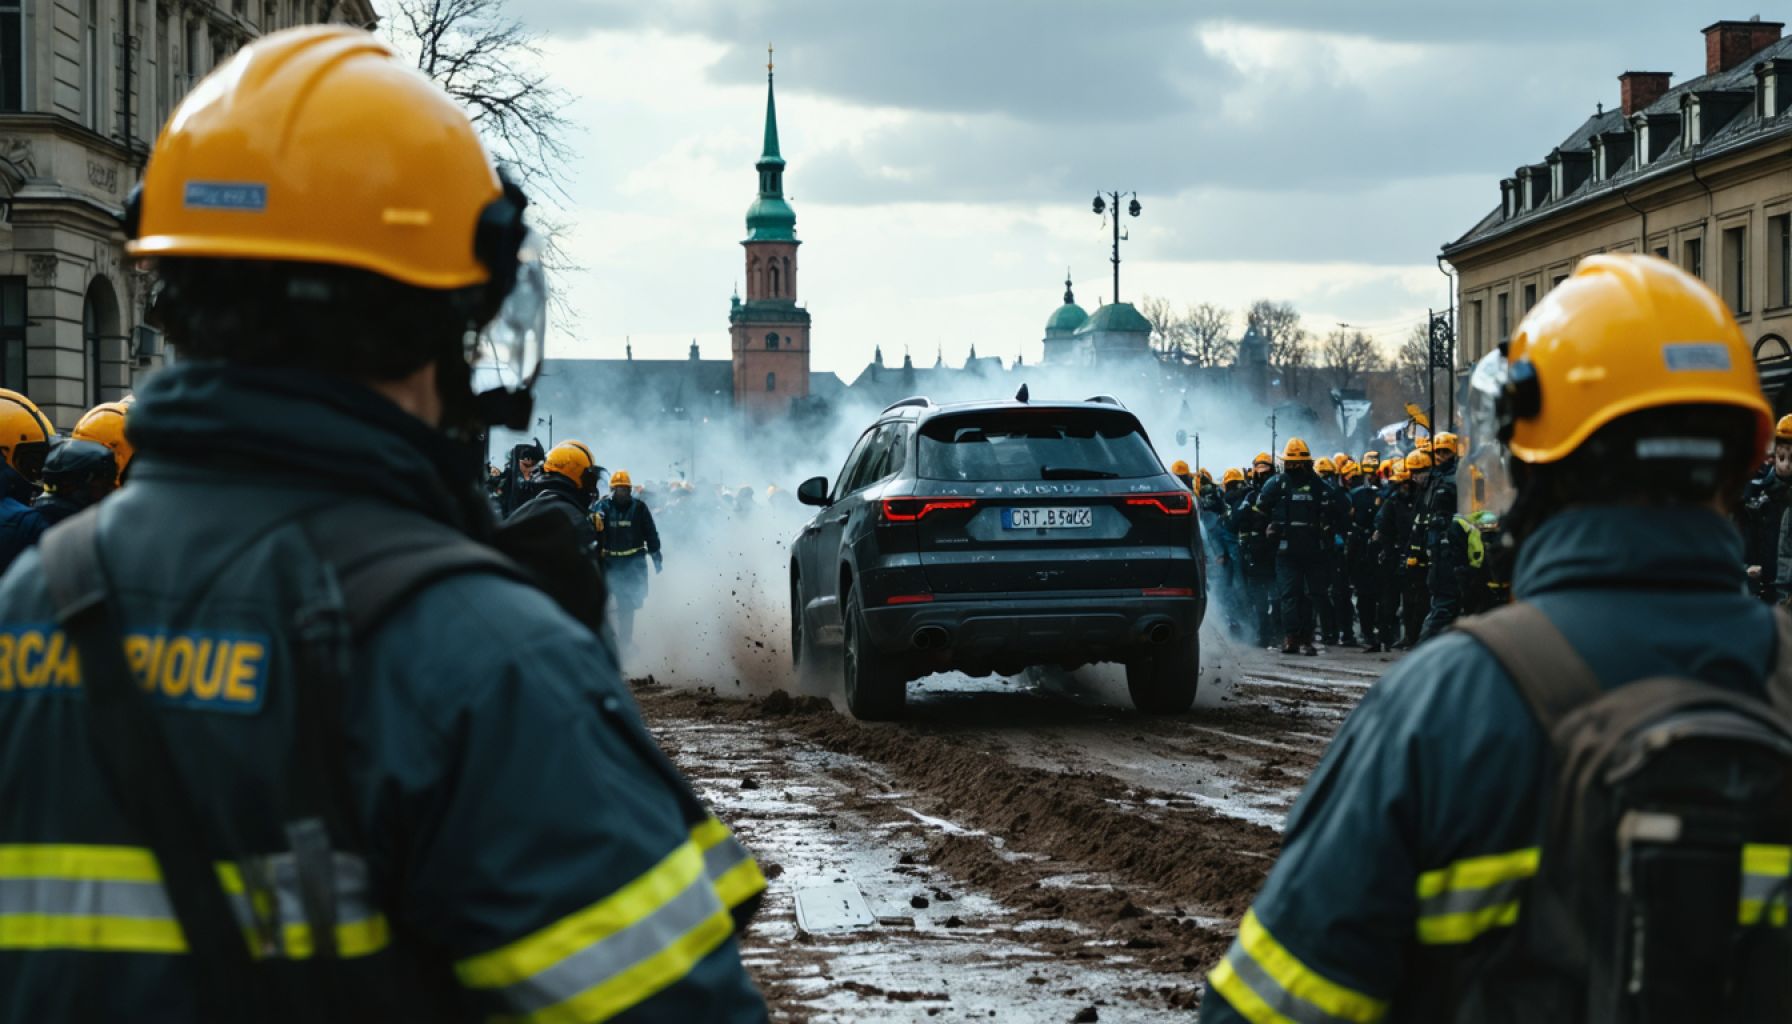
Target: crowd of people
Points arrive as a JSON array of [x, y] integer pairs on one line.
[[46, 478], [1371, 551]]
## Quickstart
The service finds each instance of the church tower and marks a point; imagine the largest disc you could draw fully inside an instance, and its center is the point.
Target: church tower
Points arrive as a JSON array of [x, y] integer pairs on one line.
[[770, 333]]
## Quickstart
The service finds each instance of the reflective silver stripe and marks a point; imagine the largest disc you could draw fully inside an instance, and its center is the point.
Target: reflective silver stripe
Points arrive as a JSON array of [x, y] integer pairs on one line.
[[70, 897], [610, 956], [721, 858], [270, 901], [1279, 999], [1464, 901], [1766, 887]]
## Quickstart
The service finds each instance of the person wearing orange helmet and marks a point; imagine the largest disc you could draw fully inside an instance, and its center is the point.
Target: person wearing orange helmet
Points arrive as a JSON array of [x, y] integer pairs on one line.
[[1388, 541], [1764, 521], [288, 737], [1578, 806], [1435, 533], [630, 539], [26, 439], [1299, 508], [1256, 554]]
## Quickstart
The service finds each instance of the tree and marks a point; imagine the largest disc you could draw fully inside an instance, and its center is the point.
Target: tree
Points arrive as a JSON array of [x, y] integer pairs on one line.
[[1348, 354], [1411, 364], [1168, 332], [1208, 329], [489, 62], [1290, 346]]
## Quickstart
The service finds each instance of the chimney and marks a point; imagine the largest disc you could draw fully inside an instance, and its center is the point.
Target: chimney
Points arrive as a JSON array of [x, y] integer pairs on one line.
[[1638, 89], [1730, 43]]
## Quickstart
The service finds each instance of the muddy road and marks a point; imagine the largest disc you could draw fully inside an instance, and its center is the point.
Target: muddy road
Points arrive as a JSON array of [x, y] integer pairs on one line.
[[1016, 850]]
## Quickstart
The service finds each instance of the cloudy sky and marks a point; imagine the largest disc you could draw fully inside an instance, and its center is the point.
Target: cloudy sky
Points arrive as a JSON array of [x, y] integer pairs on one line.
[[943, 153]]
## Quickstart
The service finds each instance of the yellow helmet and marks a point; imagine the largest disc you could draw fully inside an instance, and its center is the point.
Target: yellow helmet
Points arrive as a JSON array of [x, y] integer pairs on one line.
[[1263, 461], [1416, 461], [25, 434], [1205, 476], [1349, 468], [1324, 467], [1445, 442], [1232, 476], [1371, 460], [104, 423], [1339, 458], [320, 145], [572, 460], [1296, 451], [1623, 334], [1783, 431], [1422, 444], [1396, 470], [1179, 468], [620, 479]]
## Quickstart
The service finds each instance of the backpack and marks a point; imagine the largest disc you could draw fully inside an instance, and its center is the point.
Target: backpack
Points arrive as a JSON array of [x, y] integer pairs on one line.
[[1661, 891]]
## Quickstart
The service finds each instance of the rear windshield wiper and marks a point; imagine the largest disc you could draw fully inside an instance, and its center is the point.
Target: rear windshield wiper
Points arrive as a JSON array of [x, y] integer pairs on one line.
[[1075, 473]]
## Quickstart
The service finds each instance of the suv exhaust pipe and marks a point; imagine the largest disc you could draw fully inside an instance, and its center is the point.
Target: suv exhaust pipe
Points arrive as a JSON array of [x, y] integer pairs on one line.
[[1161, 633], [931, 638]]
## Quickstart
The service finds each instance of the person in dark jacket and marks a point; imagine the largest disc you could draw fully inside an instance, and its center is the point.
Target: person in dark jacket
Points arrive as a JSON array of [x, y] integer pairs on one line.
[[521, 477], [25, 439], [567, 486], [629, 539], [474, 822], [1763, 517], [76, 476], [1444, 569], [1257, 553], [1405, 864], [1388, 545], [1415, 597], [1297, 505]]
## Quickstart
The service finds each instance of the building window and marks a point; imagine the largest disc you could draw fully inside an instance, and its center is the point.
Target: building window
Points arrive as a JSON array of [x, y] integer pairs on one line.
[[99, 321], [1530, 296], [194, 38], [1477, 328], [12, 56], [771, 382], [1736, 269], [1661, 251], [1779, 257], [90, 52], [1502, 306], [771, 342], [12, 333], [777, 283], [1692, 256]]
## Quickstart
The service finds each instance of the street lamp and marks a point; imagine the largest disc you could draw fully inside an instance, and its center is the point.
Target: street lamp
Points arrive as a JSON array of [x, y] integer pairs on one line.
[[1100, 206]]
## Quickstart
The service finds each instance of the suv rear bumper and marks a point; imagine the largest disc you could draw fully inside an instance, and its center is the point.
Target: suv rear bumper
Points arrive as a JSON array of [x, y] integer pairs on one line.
[[1038, 629]]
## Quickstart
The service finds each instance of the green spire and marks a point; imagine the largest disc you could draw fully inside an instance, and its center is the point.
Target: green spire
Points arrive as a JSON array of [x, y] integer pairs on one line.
[[771, 154], [770, 218]]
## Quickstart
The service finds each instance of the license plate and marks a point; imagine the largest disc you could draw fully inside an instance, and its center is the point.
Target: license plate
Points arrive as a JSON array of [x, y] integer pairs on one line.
[[1047, 518]]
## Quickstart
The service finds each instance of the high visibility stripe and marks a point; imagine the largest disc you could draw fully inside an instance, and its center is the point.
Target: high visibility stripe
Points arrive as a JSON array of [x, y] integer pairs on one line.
[[730, 867], [1766, 881], [614, 953], [111, 898], [1460, 902], [1267, 984], [626, 552]]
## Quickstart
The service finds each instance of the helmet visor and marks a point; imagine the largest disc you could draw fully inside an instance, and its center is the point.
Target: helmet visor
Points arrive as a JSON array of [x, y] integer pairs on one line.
[[512, 346], [1483, 481]]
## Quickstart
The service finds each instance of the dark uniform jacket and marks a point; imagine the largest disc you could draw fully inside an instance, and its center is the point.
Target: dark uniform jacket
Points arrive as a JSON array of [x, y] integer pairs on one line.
[[1251, 528], [1300, 509], [1763, 522], [1393, 524], [1403, 851], [559, 496], [20, 523], [628, 531], [1446, 571], [511, 842]]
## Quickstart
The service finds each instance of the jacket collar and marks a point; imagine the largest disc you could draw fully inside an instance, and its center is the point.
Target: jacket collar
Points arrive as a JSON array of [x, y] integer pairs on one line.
[[1669, 547]]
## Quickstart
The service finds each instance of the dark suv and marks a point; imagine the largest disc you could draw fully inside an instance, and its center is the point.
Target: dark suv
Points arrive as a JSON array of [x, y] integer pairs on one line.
[[997, 536]]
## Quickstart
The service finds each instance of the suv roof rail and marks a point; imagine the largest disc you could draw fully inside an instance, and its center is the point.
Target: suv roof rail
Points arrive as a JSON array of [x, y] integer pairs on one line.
[[1104, 400], [919, 401]]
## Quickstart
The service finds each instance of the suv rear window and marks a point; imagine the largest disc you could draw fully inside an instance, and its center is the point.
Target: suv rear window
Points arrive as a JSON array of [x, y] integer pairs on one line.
[[1035, 444]]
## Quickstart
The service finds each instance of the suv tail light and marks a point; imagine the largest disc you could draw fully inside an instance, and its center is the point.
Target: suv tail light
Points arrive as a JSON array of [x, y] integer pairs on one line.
[[1173, 503], [908, 510]]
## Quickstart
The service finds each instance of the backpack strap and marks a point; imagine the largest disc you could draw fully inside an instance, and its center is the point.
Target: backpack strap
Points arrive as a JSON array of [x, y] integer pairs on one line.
[[1551, 676], [134, 756]]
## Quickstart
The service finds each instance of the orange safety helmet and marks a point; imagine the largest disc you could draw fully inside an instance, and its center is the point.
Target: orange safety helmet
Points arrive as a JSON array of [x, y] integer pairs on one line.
[[620, 479], [1445, 442], [1416, 461], [572, 460], [1263, 461], [1623, 334], [1349, 468], [1396, 470], [1232, 476], [25, 434], [1179, 468], [1783, 430], [1324, 467], [1371, 461], [105, 424], [1296, 451]]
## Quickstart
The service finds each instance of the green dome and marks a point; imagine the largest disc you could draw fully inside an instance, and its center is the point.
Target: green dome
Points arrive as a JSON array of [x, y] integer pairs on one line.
[[770, 219], [1117, 316], [1067, 318]]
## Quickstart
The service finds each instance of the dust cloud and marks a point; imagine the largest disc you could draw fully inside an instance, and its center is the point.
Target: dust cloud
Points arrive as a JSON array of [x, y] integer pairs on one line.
[[719, 615]]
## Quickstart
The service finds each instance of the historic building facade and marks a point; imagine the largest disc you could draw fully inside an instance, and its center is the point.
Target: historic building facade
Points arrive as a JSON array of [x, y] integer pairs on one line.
[[85, 86], [1696, 173], [769, 332]]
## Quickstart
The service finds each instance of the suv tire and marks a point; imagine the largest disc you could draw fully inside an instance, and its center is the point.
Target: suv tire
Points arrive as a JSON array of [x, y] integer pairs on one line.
[[874, 692], [808, 658], [1163, 680]]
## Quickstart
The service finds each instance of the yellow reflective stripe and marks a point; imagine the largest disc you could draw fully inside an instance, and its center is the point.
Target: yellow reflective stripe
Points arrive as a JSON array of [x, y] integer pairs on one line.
[[738, 883], [1762, 859], [1765, 871], [356, 938], [100, 863], [625, 552], [634, 902], [1448, 929], [709, 832], [641, 981], [103, 934], [1479, 872], [1241, 997], [1294, 983]]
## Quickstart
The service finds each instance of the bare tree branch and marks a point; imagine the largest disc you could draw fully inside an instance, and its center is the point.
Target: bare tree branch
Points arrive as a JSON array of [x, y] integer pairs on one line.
[[1290, 346], [1348, 355], [1208, 329]]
